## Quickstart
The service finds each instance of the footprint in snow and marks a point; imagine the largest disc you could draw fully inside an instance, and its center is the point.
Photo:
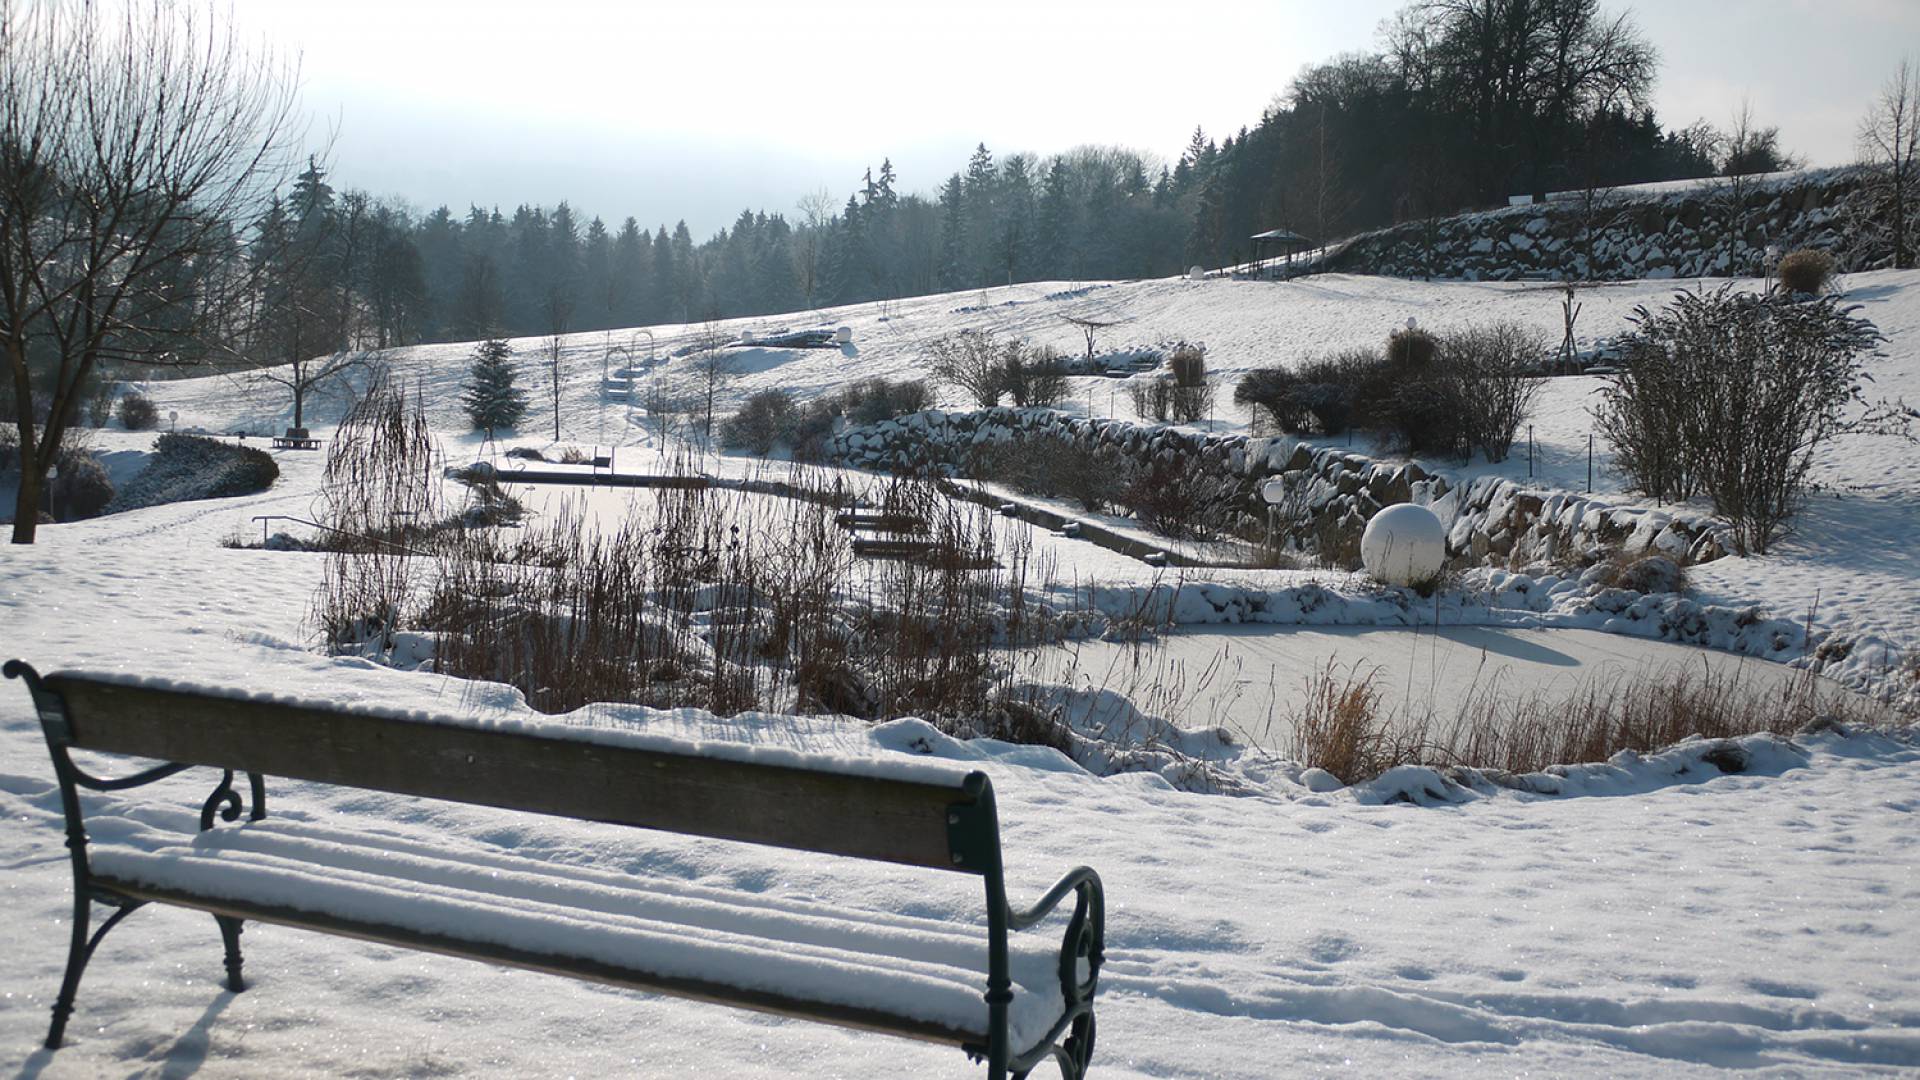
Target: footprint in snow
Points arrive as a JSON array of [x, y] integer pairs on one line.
[[1332, 948], [1782, 990]]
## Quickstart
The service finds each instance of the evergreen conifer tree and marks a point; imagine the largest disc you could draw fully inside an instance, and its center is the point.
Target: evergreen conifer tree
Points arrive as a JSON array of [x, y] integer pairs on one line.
[[491, 398]]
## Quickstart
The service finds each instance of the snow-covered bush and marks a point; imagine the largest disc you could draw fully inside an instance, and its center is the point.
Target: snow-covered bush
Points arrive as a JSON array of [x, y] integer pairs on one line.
[[1650, 574], [1729, 394], [138, 413], [1805, 271]]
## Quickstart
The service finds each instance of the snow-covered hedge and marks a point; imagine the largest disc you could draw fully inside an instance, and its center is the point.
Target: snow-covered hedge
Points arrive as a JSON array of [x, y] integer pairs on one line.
[[193, 467]]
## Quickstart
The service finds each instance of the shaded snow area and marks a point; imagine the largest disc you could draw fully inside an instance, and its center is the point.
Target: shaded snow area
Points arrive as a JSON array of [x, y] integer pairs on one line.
[[1744, 904]]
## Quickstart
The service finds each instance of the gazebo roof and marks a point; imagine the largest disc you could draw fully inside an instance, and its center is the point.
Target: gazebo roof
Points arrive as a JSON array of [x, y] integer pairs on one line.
[[1282, 235]]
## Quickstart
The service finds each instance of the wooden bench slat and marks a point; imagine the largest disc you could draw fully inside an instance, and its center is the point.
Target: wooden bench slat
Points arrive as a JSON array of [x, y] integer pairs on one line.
[[573, 967], [893, 820]]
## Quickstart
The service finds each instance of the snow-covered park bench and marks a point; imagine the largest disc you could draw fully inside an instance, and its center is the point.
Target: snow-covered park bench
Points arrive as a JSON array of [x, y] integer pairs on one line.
[[1014, 1004]]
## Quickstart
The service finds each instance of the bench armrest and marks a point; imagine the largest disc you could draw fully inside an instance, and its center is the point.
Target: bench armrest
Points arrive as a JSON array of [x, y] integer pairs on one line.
[[58, 728], [1085, 939]]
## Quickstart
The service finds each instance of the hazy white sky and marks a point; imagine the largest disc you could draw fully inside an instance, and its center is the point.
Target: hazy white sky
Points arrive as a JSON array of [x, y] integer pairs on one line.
[[698, 109]]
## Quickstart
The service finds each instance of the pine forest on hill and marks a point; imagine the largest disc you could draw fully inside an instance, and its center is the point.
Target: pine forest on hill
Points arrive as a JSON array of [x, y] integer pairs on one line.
[[1447, 114]]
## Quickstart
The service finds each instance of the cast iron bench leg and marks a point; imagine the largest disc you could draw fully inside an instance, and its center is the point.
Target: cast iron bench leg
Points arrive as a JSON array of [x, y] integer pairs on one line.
[[79, 951], [230, 933]]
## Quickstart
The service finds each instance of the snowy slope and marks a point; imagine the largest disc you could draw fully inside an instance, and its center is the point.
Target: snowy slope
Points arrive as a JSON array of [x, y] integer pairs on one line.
[[1851, 569]]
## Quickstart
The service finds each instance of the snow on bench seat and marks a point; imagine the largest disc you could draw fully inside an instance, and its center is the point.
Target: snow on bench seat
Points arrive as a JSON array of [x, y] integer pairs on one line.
[[921, 970]]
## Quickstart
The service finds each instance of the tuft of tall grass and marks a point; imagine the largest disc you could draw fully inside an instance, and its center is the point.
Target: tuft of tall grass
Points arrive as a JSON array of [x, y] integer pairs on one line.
[[1341, 726]]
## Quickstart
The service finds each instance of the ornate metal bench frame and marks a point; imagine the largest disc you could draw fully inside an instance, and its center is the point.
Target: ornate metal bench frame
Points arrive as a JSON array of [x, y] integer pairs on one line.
[[973, 835]]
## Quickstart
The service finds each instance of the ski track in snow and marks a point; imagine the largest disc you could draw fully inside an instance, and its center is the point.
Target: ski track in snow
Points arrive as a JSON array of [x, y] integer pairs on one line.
[[1758, 922]]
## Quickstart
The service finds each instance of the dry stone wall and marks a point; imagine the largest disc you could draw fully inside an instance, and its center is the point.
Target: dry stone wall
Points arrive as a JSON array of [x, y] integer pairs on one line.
[[1327, 494], [1714, 228]]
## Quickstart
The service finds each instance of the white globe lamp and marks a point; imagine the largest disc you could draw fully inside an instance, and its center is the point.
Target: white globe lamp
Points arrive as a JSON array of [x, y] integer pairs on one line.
[[1404, 544]]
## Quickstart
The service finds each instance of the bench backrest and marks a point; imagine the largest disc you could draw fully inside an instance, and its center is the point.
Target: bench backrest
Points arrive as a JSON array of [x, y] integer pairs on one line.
[[949, 826]]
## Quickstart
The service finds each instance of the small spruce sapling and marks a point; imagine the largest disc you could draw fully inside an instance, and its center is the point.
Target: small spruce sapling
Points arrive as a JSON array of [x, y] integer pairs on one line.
[[491, 399]]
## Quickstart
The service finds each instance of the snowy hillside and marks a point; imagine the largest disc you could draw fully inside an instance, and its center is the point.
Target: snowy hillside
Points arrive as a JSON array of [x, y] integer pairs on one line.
[[1653, 918], [1851, 569]]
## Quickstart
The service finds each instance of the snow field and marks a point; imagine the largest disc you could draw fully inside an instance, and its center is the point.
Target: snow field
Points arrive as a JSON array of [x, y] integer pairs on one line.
[[1656, 918]]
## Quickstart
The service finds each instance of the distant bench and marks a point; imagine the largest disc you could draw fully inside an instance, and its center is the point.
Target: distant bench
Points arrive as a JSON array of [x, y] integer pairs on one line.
[[295, 442], [887, 973]]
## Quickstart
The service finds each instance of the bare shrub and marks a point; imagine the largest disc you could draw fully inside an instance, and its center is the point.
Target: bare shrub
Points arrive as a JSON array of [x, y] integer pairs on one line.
[[1805, 271], [1175, 498], [1032, 376], [1411, 348], [138, 412], [765, 419], [99, 400], [1152, 399], [1731, 393], [1049, 465], [1187, 364], [378, 491], [1490, 372], [969, 361], [872, 400], [1317, 397], [1192, 393]]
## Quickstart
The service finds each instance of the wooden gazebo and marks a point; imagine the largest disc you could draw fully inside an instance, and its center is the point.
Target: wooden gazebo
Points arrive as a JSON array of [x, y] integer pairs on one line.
[[1275, 244]]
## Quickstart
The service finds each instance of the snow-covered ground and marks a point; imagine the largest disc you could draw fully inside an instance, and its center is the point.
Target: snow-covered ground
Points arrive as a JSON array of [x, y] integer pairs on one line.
[[1691, 921]]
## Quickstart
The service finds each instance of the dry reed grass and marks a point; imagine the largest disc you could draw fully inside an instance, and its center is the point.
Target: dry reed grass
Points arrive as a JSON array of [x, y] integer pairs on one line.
[[1341, 726]]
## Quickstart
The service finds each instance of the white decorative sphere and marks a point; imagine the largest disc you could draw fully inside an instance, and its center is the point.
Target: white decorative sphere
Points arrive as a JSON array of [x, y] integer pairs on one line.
[[1404, 544], [1274, 491], [1196, 273], [843, 335]]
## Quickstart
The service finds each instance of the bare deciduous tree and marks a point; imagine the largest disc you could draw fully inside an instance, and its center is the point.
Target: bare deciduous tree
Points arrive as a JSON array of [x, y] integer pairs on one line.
[[712, 369], [559, 314], [129, 143], [304, 376], [816, 209], [1890, 142]]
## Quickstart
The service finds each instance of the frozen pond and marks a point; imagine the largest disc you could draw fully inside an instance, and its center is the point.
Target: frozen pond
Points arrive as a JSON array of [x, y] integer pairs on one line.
[[1247, 678]]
